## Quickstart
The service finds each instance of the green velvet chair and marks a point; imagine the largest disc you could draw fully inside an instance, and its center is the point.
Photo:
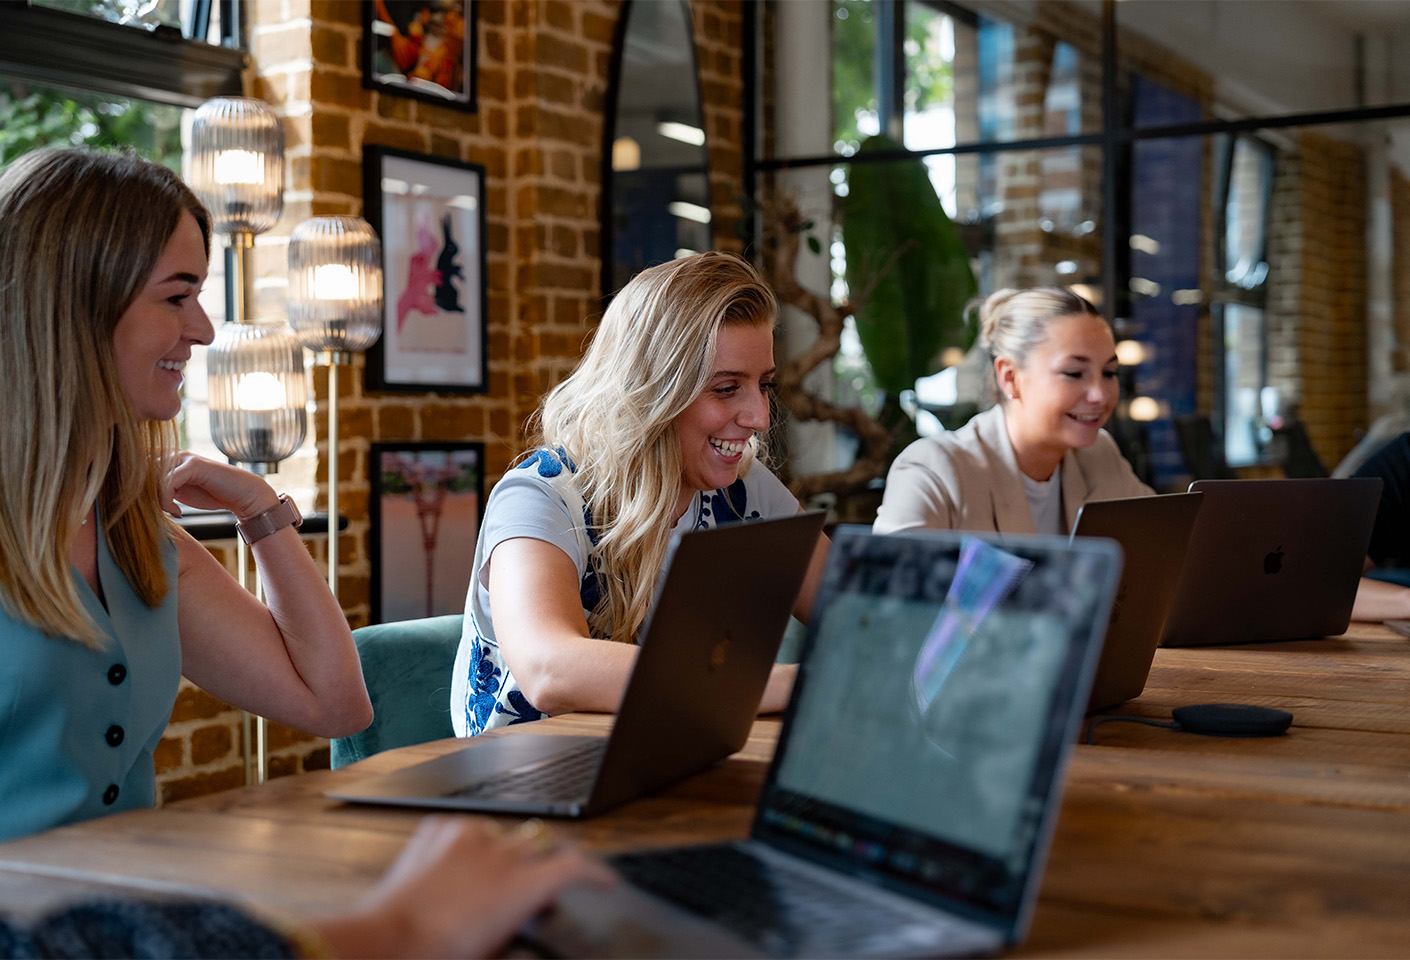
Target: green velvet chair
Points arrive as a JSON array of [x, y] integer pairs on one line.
[[407, 667]]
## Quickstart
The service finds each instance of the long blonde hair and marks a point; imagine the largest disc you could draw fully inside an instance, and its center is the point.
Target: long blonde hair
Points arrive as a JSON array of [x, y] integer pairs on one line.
[[653, 354], [80, 234]]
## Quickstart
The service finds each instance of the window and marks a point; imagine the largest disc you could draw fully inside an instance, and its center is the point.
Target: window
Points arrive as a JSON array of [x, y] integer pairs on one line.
[[950, 76], [1245, 403], [1210, 194], [193, 19]]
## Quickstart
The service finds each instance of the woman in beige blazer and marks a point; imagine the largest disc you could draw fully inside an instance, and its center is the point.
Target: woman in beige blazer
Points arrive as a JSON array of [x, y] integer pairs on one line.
[[1040, 452]]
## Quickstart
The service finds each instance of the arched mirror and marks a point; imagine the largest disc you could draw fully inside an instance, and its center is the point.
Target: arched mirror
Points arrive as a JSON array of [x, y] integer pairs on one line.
[[656, 187]]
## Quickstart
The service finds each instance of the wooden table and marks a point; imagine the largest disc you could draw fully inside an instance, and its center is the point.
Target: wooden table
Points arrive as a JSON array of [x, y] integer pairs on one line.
[[1168, 845]]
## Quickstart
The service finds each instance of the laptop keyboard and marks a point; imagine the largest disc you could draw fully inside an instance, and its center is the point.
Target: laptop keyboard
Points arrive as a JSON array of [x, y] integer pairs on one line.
[[779, 908], [563, 776]]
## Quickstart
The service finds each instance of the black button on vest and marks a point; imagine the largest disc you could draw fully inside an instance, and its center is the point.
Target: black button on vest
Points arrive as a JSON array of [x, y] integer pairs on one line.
[[114, 735], [110, 794], [117, 673]]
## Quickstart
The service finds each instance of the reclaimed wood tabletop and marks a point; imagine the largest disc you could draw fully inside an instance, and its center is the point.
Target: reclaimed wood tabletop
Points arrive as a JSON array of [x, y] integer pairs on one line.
[[1169, 844]]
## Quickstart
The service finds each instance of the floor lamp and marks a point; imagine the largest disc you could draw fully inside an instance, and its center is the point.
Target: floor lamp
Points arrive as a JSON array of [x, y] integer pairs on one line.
[[335, 308], [237, 171]]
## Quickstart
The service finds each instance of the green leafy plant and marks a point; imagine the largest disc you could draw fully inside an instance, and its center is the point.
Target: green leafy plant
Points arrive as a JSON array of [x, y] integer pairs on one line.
[[906, 253], [32, 117]]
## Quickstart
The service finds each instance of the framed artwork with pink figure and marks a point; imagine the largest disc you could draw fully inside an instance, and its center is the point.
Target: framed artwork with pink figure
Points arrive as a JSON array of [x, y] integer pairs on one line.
[[430, 214]]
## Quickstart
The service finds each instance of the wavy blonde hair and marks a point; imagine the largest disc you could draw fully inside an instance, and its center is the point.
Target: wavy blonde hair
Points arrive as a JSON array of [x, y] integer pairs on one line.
[[652, 355], [80, 234]]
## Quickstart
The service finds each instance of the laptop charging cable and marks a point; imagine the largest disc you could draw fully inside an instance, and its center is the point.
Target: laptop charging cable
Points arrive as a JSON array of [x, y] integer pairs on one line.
[[1212, 720]]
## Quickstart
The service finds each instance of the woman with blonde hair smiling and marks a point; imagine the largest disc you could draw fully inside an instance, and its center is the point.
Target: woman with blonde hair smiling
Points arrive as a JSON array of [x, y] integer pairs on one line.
[[658, 429], [104, 602], [1028, 464]]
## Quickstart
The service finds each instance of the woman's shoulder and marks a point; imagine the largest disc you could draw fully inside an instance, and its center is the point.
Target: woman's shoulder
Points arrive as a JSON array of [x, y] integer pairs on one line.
[[547, 469], [543, 474], [544, 463], [967, 448]]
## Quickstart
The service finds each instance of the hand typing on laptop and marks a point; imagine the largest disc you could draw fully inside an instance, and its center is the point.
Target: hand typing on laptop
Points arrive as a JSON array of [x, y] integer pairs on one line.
[[460, 888]]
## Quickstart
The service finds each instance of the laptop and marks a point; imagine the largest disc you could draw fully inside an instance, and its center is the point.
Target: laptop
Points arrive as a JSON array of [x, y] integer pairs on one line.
[[911, 798], [1273, 560], [705, 653], [1154, 533]]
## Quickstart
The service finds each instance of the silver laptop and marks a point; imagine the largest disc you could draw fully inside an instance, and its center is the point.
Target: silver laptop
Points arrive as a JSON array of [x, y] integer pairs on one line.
[[917, 779], [1154, 533], [705, 654], [1273, 560]]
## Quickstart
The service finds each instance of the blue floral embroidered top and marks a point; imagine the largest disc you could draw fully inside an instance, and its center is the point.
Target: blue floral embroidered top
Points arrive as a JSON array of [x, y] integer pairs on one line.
[[539, 499]]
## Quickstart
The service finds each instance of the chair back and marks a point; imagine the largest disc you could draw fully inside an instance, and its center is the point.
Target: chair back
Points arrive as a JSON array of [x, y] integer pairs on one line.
[[1200, 448], [407, 667], [1299, 458]]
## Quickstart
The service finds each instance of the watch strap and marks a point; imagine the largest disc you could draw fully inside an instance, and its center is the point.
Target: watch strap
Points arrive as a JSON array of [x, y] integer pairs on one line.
[[285, 513]]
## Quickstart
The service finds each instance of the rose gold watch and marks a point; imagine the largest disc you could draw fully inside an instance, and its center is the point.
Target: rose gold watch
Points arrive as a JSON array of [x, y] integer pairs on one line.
[[274, 519]]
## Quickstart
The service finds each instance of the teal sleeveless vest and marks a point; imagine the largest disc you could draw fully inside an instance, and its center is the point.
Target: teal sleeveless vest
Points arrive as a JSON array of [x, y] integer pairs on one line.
[[78, 726]]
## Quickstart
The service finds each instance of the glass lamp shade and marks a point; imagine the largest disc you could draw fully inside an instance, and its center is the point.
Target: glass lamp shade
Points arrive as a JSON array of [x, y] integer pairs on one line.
[[335, 284], [258, 392], [237, 164]]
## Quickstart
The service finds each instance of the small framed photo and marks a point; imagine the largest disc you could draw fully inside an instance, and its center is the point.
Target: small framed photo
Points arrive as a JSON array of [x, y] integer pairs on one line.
[[425, 512], [430, 214], [421, 48]]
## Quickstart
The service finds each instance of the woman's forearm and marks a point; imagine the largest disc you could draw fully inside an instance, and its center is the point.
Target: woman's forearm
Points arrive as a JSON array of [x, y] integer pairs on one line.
[[1378, 601], [563, 674], [314, 631]]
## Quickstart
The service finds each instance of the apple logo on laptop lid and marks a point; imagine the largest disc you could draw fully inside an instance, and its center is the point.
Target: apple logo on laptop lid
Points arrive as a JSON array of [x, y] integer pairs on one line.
[[1274, 561], [720, 652]]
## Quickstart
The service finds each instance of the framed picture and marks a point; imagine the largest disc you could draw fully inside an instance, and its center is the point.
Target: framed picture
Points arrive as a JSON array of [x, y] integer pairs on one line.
[[421, 48], [425, 512], [430, 214]]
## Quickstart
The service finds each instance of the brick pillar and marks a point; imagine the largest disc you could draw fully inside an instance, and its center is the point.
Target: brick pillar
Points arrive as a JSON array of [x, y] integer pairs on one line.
[[1332, 338]]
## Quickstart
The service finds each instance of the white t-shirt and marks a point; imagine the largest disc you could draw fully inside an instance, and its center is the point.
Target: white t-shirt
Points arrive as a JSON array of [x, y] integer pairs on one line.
[[1045, 502], [539, 499]]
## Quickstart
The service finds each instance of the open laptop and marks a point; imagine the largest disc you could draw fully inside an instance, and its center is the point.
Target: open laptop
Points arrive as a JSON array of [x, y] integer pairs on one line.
[[705, 655], [1154, 533], [913, 793], [1273, 560]]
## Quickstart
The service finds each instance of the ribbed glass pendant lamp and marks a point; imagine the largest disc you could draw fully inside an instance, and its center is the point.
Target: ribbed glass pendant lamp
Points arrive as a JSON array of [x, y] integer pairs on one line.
[[237, 171], [257, 388], [258, 393], [335, 308], [335, 286]]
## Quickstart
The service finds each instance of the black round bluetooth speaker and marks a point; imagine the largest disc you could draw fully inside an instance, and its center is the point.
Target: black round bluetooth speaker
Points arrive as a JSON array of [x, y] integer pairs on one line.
[[1232, 720]]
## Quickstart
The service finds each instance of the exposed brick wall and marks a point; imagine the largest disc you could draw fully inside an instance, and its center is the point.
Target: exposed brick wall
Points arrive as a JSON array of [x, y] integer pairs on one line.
[[542, 86], [1332, 336], [1316, 313]]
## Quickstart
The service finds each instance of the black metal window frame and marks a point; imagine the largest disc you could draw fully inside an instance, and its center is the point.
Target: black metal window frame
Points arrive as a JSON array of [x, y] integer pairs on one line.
[[1116, 138], [60, 49]]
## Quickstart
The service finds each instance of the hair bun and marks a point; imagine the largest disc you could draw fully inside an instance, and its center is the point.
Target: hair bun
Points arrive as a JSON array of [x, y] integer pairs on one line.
[[990, 313]]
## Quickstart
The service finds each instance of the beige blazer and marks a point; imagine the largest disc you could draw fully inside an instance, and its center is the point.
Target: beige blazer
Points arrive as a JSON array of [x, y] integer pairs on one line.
[[968, 479]]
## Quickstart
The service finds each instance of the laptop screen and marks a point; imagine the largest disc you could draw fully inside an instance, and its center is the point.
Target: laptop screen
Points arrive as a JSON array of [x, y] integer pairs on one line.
[[941, 676]]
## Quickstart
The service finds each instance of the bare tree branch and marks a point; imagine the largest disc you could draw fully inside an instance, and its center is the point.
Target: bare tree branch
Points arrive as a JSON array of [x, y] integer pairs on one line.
[[783, 238]]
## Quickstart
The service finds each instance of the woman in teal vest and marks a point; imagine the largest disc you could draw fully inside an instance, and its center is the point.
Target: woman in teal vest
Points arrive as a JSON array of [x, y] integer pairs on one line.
[[104, 602]]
